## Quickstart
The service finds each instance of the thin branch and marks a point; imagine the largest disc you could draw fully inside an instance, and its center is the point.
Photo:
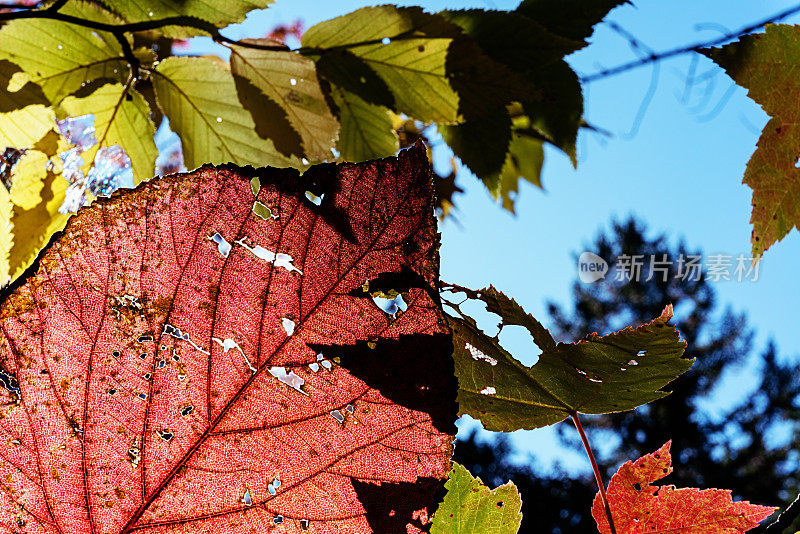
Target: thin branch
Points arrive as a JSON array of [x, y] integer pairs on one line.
[[785, 518], [597, 476], [659, 56]]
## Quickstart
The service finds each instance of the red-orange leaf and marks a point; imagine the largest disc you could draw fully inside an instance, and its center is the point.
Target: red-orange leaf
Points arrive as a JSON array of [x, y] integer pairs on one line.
[[638, 507], [178, 362]]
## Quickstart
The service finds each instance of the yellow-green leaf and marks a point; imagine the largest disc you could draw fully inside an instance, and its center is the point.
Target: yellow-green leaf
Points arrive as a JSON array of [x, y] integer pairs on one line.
[[27, 179], [61, 57], [217, 12], [12, 97], [290, 81], [470, 507], [6, 233], [121, 117], [33, 227], [199, 98], [411, 60], [366, 129], [22, 128]]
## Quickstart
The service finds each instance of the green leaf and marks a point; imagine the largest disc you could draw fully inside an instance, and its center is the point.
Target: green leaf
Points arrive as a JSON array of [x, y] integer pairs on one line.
[[470, 507], [12, 98], [121, 117], [290, 81], [27, 179], [217, 12], [599, 374], [60, 57], [511, 313], [412, 64], [199, 98], [558, 112], [366, 129], [511, 38], [572, 19], [480, 144], [524, 161], [766, 65]]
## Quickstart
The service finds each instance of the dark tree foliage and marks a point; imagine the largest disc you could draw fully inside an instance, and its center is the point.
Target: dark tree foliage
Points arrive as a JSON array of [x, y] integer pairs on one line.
[[753, 449]]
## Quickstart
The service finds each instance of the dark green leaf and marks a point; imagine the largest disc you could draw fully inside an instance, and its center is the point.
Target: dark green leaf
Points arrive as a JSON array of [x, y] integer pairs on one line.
[[523, 161], [596, 375], [573, 19], [480, 144]]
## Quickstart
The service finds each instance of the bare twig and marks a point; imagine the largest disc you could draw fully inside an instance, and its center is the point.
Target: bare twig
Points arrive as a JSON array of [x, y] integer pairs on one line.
[[659, 56]]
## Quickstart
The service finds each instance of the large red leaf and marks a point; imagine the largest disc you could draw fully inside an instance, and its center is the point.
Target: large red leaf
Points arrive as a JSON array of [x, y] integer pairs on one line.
[[164, 371], [639, 507]]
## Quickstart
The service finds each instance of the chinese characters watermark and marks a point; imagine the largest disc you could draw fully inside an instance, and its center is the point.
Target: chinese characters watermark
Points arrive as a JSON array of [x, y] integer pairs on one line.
[[686, 267]]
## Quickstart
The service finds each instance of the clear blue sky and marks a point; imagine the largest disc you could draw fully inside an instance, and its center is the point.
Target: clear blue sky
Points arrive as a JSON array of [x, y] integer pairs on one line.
[[678, 168]]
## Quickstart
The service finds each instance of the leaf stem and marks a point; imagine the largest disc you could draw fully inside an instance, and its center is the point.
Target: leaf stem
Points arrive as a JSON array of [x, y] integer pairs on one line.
[[597, 477]]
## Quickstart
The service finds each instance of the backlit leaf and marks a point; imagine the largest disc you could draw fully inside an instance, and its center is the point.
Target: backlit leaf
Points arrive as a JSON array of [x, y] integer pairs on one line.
[[599, 374], [766, 65], [121, 118], [470, 507], [289, 81], [35, 225], [27, 179], [366, 129], [22, 128], [405, 47], [220, 13], [61, 57], [177, 363], [199, 98], [637, 506], [20, 97]]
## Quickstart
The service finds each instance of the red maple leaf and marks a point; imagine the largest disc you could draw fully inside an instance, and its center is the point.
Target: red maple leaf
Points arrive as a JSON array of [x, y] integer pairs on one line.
[[639, 507], [178, 362]]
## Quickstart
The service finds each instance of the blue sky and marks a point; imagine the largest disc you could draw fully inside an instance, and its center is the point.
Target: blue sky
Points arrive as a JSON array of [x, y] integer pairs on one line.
[[678, 167]]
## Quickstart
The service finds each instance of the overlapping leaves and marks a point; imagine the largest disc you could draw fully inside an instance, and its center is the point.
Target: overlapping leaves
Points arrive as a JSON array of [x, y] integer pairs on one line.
[[494, 83], [177, 359], [599, 374]]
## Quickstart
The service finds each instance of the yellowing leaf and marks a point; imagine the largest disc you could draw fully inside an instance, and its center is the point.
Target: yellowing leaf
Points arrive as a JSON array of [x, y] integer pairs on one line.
[[366, 129], [290, 81], [27, 179], [199, 98], [6, 233], [766, 65], [61, 57], [121, 118], [24, 127], [34, 227], [470, 507]]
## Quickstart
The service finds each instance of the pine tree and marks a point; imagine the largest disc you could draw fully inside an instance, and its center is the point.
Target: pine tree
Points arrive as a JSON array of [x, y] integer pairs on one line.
[[752, 448]]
